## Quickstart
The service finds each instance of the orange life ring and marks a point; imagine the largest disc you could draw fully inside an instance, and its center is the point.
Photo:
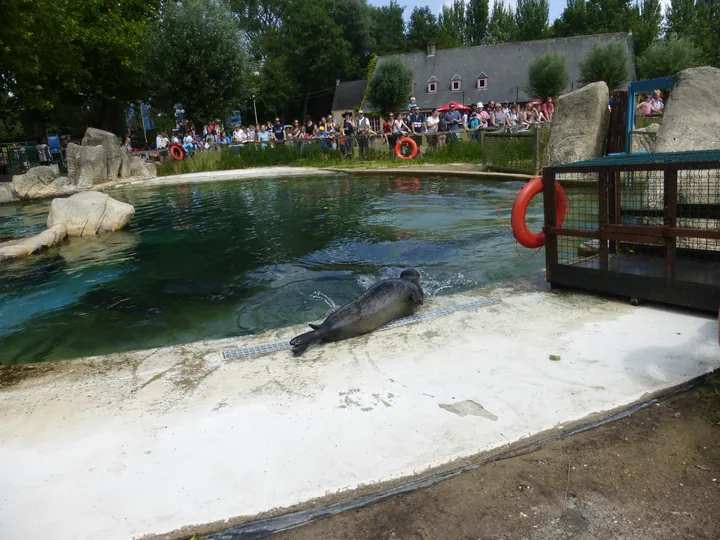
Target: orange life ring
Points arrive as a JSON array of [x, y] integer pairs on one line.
[[413, 145], [177, 152], [519, 212]]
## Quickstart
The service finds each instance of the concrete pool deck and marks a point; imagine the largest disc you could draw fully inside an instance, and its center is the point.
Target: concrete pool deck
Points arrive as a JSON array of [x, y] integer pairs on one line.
[[148, 442]]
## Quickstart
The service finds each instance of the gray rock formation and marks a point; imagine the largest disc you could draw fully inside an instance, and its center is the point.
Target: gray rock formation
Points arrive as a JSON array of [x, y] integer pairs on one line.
[[111, 145], [87, 165], [125, 165], [642, 142], [41, 182], [580, 125], [27, 246], [6, 192], [90, 213], [139, 168], [691, 120]]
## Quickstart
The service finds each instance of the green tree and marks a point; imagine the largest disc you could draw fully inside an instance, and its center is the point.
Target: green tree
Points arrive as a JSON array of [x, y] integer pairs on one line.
[[646, 23], [390, 86], [477, 13], [389, 29], [606, 62], [697, 21], [421, 28], [609, 15], [547, 75], [194, 57], [451, 25], [532, 18], [354, 18], [502, 27], [666, 57], [574, 20]]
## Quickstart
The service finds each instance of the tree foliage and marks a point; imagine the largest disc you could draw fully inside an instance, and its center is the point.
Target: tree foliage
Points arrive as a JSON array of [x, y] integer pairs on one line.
[[477, 15], [502, 26], [422, 28], [391, 85], [531, 17], [452, 25], [547, 75], [606, 62], [667, 57], [194, 57]]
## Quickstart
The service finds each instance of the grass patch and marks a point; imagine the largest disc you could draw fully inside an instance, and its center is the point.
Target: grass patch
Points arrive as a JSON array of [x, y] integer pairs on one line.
[[514, 153]]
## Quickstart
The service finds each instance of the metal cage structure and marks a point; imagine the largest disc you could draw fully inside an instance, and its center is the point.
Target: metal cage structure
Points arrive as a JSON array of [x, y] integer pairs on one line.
[[645, 226]]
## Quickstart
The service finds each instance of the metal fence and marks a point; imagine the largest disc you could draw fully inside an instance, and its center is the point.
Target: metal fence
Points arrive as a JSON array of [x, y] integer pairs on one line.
[[515, 150], [649, 227]]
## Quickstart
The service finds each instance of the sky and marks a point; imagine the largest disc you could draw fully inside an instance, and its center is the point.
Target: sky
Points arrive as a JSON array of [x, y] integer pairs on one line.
[[556, 6]]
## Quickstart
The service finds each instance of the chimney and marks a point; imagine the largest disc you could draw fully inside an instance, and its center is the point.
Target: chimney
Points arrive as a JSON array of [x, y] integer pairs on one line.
[[431, 48]]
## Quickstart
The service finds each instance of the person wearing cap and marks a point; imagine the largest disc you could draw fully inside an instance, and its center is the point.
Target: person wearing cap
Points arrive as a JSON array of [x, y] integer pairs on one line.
[[364, 129], [453, 119], [474, 126], [417, 124]]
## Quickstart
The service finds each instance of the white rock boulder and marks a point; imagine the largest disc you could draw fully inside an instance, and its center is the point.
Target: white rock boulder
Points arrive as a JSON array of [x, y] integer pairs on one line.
[[580, 125], [90, 213], [87, 165], [111, 145], [139, 168], [643, 142], [43, 181], [691, 120], [27, 246], [7, 194]]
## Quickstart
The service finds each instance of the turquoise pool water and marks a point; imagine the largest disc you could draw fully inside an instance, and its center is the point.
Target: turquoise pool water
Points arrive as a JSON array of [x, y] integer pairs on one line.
[[217, 260]]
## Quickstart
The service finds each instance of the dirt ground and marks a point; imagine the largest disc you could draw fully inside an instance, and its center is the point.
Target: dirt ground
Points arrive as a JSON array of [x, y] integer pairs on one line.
[[654, 475]]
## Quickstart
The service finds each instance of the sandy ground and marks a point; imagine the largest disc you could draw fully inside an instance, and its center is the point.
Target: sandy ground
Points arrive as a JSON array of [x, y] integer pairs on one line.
[[654, 475]]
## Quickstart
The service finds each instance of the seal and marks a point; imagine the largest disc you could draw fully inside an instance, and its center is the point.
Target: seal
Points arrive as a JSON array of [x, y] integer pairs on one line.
[[383, 302]]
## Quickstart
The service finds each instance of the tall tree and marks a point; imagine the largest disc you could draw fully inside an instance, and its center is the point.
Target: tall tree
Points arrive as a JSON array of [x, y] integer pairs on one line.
[[194, 57], [502, 27], [694, 20], [421, 28], [574, 20], [389, 29], [646, 23], [451, 25], [477, 14], [609, 15], [532, 18], [354, 18]]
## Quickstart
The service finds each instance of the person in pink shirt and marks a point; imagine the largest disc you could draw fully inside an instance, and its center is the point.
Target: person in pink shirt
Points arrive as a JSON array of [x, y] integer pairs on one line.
[[645, 108], [547, 109]]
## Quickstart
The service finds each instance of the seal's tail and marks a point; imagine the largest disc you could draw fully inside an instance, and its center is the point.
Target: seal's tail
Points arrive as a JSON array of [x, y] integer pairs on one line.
[[303, 341]]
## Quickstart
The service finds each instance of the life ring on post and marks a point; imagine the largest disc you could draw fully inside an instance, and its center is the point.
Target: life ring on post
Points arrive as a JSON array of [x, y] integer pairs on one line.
[[177, 152], [519, 213], [413, 145]]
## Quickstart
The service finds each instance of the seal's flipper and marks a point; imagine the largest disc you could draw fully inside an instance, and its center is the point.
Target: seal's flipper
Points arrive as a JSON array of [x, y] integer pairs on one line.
[[416, 299], [314, 326], [303, 341]]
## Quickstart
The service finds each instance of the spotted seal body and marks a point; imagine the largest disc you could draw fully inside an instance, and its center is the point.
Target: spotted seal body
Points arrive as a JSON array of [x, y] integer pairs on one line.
[[383, 302]]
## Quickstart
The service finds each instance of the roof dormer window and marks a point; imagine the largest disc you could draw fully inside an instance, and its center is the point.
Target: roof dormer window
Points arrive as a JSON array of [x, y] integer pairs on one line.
[[432, 85], [456, 83], [481, 82]]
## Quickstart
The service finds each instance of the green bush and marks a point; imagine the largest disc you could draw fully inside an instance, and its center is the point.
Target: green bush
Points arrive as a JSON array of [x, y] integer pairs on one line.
[[391, 85], [606, 62], [667, 57], [547, 75]]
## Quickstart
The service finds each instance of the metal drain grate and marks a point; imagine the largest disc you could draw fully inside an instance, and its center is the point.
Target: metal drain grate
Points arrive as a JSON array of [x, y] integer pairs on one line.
[[430, 315]]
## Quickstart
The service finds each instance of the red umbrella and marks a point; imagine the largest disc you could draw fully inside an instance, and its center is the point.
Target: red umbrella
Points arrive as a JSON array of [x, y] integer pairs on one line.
[[458, 107]]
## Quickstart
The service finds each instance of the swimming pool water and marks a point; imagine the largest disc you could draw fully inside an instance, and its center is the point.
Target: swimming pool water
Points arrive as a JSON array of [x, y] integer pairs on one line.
[[218, 260]]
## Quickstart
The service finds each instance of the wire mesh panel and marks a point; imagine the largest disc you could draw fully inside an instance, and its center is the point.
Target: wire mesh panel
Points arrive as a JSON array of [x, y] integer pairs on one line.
[[645, 226]]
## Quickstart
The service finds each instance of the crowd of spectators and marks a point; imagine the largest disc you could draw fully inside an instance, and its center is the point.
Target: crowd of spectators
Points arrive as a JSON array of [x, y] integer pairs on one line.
[[650, 104]]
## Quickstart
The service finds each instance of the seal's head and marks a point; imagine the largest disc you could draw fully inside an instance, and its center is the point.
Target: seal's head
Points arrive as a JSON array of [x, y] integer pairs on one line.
[[411, 275]]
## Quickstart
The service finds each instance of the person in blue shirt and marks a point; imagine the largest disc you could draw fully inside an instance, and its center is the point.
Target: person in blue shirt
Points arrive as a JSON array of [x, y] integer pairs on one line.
[[473, 126], [263, 136], [453, 119], [412, 104], [278, 131]]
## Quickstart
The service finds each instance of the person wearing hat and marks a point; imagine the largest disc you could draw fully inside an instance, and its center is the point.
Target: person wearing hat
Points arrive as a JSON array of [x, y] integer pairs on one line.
[[474, 126], [364, 129]]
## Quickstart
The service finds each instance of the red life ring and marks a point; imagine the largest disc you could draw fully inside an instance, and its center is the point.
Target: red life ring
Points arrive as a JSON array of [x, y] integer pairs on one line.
[[519, 211], [413, 145], [177, 152]]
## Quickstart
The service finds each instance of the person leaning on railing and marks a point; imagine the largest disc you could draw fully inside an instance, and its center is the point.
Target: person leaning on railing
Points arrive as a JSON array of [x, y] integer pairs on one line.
[[432, 122]]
